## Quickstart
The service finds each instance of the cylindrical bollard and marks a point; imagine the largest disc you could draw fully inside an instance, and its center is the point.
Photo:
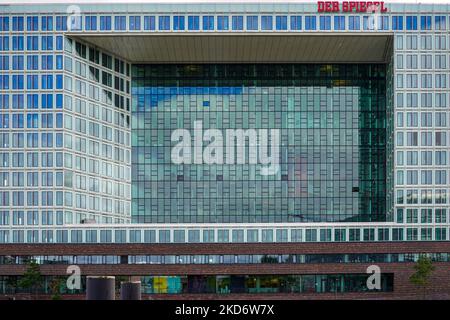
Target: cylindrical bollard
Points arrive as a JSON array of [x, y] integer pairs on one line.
[[130, 290], [100, 288]]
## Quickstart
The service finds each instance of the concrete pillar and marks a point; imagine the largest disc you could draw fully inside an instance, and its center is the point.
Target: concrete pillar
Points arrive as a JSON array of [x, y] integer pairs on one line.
[[100, 288], [130, 290]]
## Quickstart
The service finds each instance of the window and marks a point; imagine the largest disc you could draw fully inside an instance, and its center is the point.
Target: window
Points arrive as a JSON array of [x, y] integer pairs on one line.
[[90, 23], [4, 81], [149, 23], [411, 23], [311, 235], [17, 43], [47, 43], [411, 61], [440, 215], [441, 139], [267, 235], [32, 23], [4, 23], [397, 23], [208, 22], [4, 62], [178, 236], [440, 42], [237, 22], [383, 23], [46, 62], [120, 23], [178, 23], [17, 63], [193, 23], [193, 236], [368, 23], [105, 23], [75, 22], [252, 235], [310, 22], [32, 62], [440, 23], [441, 158], [426, 177], [222, 23], [17, 24], [4, 43], [281, 22], [354, 23], [411, 215], [411, 42], [135, 23], [296, 23], [266, 23], [325, 22], [164, 236], [164, 23], [61, 23], [441, 177], [17, 81], [252, 22], [135, 236], [425, 23], [339, 23], [59, 43]]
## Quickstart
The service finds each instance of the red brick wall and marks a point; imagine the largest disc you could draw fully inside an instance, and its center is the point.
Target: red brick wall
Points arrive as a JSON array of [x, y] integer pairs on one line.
[[226, 248], [439, 289]]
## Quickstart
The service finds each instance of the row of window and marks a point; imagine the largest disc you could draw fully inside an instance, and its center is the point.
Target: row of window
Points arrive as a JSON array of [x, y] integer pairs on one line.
[[32, 82], [426, 61], [426, 139], [225, 236], [31, 120], [426, 215], [31, 159], [426, 119], [426, 158], [31, 100], [18, 23], [93, 166], [95, 56], [426, 81], [426, 42], [426, 196], [60, 198], [255, 22], [31, 179], [412, 100], [18, 62], [426, 177], [32, 217], [47, 82], [223, 258], [17, 43], [31, 140], [223, 22]]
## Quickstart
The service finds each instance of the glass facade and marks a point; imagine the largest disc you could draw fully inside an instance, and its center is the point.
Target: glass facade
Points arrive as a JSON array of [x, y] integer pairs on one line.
[[65, 129], [262, 284], [324, 283], [225, 259], [332, 140]]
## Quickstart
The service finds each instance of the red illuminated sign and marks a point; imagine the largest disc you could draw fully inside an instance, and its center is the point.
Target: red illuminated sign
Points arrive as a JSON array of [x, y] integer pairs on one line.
[[351, 6]]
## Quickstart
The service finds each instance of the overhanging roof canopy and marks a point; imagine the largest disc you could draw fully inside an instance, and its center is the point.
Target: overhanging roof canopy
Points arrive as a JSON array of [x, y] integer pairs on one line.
[[195, 47]]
